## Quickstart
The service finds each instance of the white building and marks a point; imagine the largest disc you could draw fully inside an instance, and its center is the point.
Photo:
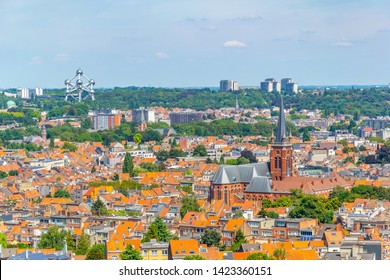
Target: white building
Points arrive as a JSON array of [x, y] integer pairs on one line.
[[24, 93]]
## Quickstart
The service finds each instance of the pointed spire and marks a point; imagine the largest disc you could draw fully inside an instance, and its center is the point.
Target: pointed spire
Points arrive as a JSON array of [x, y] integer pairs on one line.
[[237, 107], [281, 132], [272, 136]]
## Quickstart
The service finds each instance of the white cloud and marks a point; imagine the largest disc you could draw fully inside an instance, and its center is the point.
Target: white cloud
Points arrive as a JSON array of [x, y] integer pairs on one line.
[[212, 27], [342, 44], [234, 44], [36, 60], [161, 55], [61, 57]]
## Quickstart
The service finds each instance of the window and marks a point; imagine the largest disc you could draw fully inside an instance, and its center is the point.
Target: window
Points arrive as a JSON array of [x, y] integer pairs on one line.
[[165, 252], [145, 252], [154, 252], [282, 232]]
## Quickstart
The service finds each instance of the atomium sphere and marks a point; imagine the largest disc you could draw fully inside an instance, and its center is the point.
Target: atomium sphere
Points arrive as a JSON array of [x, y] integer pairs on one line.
[[92, 82], [92, 91], [79, 82], [79, 72], [67, 82]]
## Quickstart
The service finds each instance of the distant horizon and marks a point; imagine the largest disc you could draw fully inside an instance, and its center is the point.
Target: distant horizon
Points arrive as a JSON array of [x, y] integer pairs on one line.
[[308, 86]]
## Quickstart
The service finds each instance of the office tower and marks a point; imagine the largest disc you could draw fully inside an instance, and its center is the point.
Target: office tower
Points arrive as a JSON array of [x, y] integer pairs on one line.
[[105, 119], [185, 117], [228, 85]]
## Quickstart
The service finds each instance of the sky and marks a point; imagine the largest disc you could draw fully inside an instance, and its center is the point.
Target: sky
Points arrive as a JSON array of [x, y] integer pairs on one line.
[[194, 43]]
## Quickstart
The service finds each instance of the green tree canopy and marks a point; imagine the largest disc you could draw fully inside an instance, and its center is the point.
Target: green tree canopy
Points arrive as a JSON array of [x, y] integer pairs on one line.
[[96, 252], [189, 204], [259, 256], [238, 240], [211, 238], [128, 166], [3, 240], [61, 193], [130, 253], [200, 151], [158, 230], [83, 244], [54, 238], [194, 258], [99, 208]]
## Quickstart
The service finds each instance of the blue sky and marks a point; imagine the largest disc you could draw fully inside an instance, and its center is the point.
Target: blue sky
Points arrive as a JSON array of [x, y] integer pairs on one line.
[[194, 42]]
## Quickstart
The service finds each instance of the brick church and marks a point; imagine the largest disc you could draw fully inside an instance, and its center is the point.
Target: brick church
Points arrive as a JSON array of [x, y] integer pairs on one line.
[[258, 181]]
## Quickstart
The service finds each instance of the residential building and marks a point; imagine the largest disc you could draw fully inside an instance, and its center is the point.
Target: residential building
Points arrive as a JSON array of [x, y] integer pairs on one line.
[[185, 117], [228, 85], [105, 119], [142, 114]]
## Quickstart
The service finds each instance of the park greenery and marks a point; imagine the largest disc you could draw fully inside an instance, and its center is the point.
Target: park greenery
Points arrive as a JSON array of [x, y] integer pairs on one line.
[[322, 208]]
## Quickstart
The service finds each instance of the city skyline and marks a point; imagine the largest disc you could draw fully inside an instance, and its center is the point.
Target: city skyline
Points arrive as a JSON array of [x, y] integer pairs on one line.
[[189, 44]]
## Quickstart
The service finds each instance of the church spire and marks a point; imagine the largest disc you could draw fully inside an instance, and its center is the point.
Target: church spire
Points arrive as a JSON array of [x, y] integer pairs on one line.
[[281, 132], [237, 107]]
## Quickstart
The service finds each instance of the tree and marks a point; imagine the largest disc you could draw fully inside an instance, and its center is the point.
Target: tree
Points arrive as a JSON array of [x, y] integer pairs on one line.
[[189, 204], [83, 245], [96, 252], [248, 154], [211, 238], [259, 256], [158, 230], [128, 166], [222, 159], [62, 194], [13, 173], [242, 160], [130, 253], [200, 151], [238, 240], [99, 208], [70, 147], [93, 170], [53, 239], [194, 258], [70, 241], [86, 123], [306, 136], [266, 203], [280, 254], [3, 240], [137, 138]]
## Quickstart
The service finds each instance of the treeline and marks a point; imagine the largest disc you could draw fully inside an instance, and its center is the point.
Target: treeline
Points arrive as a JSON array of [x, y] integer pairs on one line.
[[229, 127]]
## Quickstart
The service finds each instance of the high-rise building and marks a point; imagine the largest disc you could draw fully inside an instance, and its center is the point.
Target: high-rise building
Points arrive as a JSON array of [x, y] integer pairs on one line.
[[148, 115], [286, 81], [270, 85], [289, 85], [24, 93], [292, 88], [281, 149], [38, 91], [228, 85], [266, 86], [105, 119], [185, 117]]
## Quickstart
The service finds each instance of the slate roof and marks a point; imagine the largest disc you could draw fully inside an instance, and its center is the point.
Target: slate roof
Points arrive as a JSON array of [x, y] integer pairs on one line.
[[259, 184], [230, 174]]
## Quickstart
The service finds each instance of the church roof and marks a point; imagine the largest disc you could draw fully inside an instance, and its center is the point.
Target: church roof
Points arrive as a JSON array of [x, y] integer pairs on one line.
[[230, 174], [259, 184]]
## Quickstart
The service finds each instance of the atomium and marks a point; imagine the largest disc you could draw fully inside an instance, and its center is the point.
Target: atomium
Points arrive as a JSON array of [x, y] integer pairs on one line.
[[79, 87]]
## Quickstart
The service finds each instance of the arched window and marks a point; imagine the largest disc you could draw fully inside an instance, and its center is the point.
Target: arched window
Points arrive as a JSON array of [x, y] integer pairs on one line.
[[225, 197], [279, 162], [288, 166]]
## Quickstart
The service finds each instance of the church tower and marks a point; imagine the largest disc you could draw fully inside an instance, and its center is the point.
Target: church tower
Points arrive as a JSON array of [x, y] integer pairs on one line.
[[142, 125], [281, 149]]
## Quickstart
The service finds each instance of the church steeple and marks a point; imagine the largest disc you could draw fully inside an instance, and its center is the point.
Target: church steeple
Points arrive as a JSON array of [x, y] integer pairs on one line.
[[281, 153], [281, 132], [237, 107]]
